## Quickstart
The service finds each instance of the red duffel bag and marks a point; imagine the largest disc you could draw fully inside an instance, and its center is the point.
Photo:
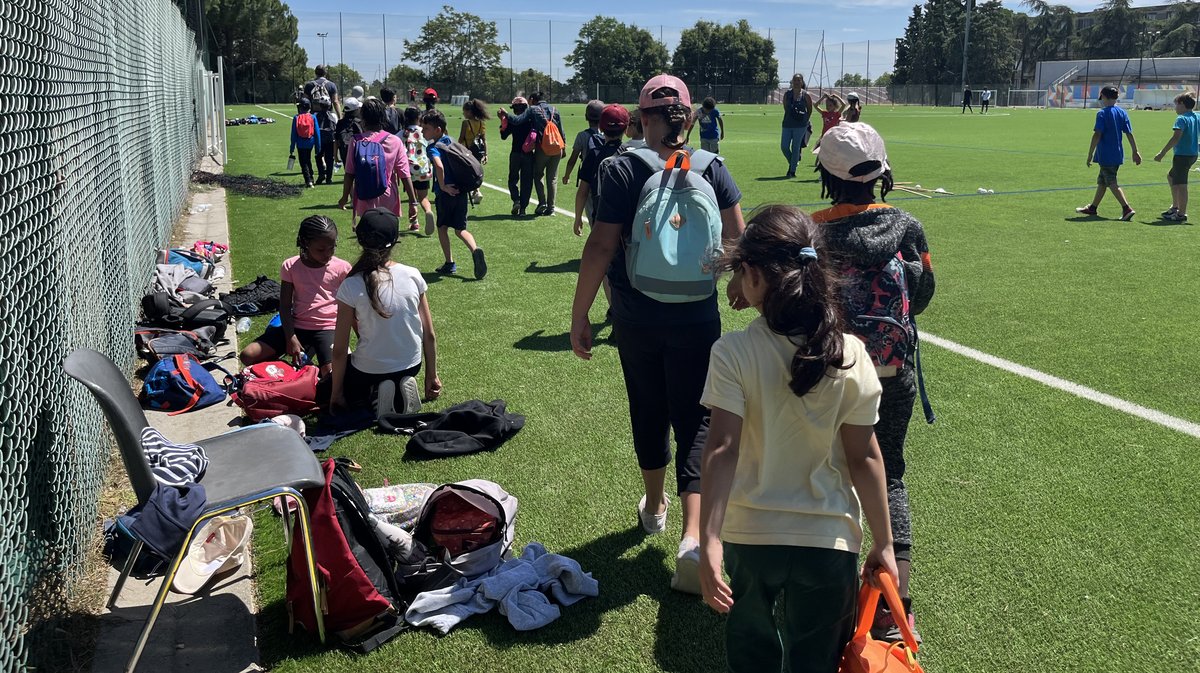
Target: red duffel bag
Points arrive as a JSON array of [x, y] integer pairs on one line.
[[268, 389]]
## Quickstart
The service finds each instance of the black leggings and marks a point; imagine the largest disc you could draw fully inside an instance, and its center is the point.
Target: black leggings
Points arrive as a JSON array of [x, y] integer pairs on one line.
[[358, 386], [895, 411], [325, 158], [665, 368]]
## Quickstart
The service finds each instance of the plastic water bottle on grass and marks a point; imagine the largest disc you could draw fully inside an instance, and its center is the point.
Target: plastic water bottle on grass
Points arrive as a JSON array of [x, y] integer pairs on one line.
[[243, 325]]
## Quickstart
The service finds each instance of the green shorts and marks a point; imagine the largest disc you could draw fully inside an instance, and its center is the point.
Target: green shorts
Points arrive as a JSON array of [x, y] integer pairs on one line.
[[1108, 175], [1179, 169]]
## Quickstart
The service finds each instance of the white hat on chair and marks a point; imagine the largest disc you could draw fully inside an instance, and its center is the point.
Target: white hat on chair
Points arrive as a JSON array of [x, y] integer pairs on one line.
[[218, 548]]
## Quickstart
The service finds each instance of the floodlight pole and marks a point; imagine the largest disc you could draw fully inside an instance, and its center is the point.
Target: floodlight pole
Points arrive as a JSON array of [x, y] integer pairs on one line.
[[323, 36], [966, 42]]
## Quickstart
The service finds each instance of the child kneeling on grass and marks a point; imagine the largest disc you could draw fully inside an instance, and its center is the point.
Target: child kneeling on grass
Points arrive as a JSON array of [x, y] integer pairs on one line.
[[790, 453], [307, 306], [387, 302], [451, 202]]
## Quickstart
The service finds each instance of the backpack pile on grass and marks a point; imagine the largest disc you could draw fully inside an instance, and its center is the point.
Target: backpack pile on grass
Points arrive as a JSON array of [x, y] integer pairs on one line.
[[369, 570]]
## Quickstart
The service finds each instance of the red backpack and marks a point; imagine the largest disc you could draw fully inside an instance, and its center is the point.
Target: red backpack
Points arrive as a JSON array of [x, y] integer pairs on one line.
[[359, 595], [305, 126], [269, 389]]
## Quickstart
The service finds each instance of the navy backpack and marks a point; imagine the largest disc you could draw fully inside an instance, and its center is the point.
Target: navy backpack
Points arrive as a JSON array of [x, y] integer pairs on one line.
[[180, 383]]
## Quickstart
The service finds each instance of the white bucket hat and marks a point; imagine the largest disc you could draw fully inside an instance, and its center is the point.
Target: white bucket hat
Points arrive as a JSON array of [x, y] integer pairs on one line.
[[219, 548], [853, 151]]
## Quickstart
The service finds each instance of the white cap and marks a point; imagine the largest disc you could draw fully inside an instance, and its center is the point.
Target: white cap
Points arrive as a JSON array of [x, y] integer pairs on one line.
[[357, 92], [853, 151], [351, 104], [220, 546], [853, 95]]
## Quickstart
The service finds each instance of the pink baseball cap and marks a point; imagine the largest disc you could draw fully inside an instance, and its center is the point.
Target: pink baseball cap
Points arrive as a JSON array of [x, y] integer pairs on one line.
[[520, 100], [647, 99]]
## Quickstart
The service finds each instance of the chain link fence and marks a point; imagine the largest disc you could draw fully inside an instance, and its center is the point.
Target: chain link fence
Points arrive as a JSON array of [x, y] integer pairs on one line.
[[98, 138]]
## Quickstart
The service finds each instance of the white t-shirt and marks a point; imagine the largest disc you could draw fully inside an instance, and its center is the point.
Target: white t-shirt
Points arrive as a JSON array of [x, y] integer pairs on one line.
[[986, 95], [393, 344], [792, 485]]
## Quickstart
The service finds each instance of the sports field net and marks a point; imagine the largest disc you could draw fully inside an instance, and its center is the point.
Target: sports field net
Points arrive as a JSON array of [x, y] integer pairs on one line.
[[98, 136]]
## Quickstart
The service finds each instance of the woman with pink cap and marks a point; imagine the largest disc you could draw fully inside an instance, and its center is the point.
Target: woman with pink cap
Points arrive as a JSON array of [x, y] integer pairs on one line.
[[664, 346], [520, 162]]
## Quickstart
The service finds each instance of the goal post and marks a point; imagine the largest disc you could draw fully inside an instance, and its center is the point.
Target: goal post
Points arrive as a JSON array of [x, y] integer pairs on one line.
[[1026, 98]]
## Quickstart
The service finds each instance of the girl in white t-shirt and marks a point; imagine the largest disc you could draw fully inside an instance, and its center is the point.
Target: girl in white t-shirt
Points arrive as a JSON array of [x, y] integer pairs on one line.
[[387, 303], [791, 453]]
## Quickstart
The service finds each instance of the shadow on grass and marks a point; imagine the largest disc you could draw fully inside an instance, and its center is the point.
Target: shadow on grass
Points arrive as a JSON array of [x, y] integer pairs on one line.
[[558, 343], [1167, 223], [1088, 218], [322, 206], [498, 217], [571, 266], [779, 178]]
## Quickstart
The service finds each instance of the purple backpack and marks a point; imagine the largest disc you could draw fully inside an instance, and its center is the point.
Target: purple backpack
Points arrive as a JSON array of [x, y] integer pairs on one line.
[[370, 167]]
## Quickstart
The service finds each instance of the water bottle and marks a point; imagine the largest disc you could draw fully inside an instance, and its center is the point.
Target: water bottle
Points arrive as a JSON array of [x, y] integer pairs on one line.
[[243, 325]]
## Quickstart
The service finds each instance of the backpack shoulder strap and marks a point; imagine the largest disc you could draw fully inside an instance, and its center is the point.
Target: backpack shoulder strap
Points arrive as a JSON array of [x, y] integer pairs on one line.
[[701, 160], [195, 309], [648, 157]]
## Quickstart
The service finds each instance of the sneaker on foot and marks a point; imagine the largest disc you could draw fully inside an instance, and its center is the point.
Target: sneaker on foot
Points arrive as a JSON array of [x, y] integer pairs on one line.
[[1176, 217], [385, 398], [480, 263], [429, 222], [653, 523], [687, 567], [1086, 210], [791, 174], [410, 396], [1170, 211], [414, 227], [447, 268], [1128, 214], [516, 208], [885, 627]]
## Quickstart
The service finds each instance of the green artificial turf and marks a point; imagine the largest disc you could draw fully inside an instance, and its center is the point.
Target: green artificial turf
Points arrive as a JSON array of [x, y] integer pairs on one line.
[[1052, 534]]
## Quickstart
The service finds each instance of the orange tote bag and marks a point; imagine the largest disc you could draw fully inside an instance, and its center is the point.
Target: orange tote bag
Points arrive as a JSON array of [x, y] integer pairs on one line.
[[866, 655]]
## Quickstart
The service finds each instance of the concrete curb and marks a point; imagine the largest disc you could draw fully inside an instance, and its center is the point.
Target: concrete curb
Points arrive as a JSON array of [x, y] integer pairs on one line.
[[216, 631]]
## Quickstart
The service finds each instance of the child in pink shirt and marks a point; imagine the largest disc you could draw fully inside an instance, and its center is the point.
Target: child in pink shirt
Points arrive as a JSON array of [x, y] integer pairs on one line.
[[307, 299], [373, 114]]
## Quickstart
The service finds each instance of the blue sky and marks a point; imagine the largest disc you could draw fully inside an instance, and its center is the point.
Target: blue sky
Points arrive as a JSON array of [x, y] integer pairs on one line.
[[857, 33]]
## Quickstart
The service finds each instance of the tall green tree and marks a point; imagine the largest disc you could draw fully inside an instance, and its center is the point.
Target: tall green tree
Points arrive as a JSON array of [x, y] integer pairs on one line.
[[884, 80], [1180, 35], [258, 40], [931, 50], [1119, 32], [613, 53], [852, 79], [405, 75], [721, 54], [345, 77], [456, 46]]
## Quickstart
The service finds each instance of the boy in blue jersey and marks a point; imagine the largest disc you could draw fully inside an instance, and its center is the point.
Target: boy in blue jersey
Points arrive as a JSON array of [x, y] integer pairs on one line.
[[1186, 141], [451, 202], [1108, 151]]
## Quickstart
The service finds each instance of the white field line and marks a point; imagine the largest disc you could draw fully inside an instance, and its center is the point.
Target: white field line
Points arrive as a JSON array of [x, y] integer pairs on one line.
[[1152, 415], [504, 190], [285, 114]]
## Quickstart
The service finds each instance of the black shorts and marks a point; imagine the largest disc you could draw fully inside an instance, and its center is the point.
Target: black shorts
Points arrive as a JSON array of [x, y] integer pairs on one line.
[[358, 387], [420, 185], [316, 342], [1180, 165], [452, 211]]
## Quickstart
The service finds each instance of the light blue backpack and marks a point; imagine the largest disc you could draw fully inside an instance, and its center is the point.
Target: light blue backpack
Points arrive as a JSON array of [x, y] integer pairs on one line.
[[676, 239]]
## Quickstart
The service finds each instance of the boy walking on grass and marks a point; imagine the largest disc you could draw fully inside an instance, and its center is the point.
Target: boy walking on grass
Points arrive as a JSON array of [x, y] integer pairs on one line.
[[1184, 140], [1107, 150], [451, 203]]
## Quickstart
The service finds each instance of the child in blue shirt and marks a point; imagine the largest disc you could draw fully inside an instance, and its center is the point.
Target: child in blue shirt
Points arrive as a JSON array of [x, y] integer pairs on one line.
[[1107, 150], [306, 134], [712, 127], [1185, 141], [451, 202]]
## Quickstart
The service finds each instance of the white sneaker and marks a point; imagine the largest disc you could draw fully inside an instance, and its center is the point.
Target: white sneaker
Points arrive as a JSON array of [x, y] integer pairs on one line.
[[429, 223], [687, 567], [410, 396], [385, 398], [653, 523]]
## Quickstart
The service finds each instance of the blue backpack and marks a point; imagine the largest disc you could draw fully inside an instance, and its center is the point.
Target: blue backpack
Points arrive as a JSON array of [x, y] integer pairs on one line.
[[676, 239], [370, 167], [198, 263], [179, 383]]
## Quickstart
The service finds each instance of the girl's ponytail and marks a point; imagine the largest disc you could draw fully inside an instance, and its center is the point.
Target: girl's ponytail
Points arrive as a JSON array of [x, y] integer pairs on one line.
[[369, 264], [801, 301]]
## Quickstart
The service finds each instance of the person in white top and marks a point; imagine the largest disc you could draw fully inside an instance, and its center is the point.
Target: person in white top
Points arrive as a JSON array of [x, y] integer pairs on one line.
[[790, 455], [985, 100], [387, 302]]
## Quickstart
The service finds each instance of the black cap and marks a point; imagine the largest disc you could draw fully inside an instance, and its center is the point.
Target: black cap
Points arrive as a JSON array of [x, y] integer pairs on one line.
[[1110, 92], [377, 228]]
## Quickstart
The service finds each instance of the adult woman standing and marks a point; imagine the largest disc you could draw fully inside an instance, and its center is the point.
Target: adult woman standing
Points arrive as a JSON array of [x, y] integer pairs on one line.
[[797, 111]]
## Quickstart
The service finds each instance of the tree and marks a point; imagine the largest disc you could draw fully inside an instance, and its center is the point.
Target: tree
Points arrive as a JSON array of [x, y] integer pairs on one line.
[[931, 50], [884, 80], [852, 79], [405, 75], [613, 53], [1180, 35], [455, 46], [258, 40], [709, 53], [532, 80], [345, 77], [1117, 33]]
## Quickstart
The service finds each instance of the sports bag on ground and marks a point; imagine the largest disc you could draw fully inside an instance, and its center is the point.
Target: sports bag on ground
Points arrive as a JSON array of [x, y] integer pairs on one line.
[[254, 298], [269, 389], [371, 171], [865, 655], [181, 283], [358, 588], [189, 258], [466, 169], [676, 235], [464, 529], [180, 383], [156, 343], [463, 428], [159, 310]]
